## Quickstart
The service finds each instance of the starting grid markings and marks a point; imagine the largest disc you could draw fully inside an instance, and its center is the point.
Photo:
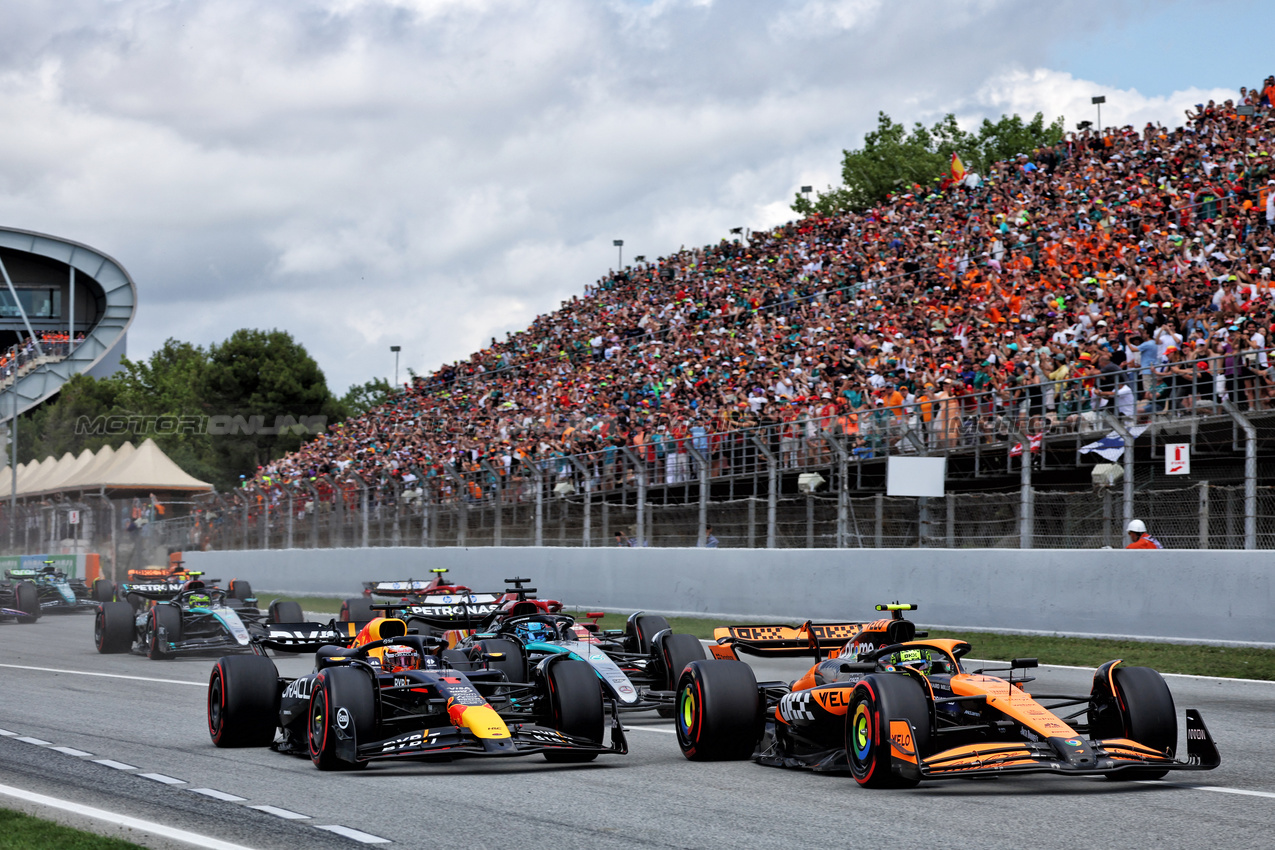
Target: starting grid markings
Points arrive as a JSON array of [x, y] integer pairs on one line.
[[285, 814]]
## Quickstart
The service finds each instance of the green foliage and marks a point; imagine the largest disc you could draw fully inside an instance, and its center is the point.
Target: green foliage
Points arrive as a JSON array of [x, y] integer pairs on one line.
[[361, 398], [29, 833], [893, 159], [261, 374], [270, 376]]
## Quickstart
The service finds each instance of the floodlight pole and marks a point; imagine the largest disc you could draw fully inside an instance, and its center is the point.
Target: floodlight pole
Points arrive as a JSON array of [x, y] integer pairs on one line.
[[1098, 101], [396, 349], [619, 244]]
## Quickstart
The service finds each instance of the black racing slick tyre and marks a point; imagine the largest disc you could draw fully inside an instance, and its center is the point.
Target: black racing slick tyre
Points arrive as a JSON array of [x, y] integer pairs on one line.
[[512, 663], [719, 711], [240, 591], [575, 701], [103, 590], [243, 701], [875, 701], [341, 695], [286, 611], [113, 629], [677, 651], [456, 659], [1149, 715], [357, 610], [646, 627], [169, 619], [27, 598]]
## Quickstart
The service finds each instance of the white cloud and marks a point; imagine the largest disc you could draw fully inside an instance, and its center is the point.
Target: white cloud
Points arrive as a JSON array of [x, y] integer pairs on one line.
[[366, 173]]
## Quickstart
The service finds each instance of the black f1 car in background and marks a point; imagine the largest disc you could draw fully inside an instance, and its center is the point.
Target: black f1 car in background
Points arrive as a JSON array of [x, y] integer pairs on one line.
[[427, 605], [638, 665], [19, 600], [167, 619], [895, 714], [56, 592], [387, 694]]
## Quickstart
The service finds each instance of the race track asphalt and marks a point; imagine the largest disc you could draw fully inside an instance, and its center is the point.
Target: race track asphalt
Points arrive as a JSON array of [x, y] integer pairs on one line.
[[154, 723]]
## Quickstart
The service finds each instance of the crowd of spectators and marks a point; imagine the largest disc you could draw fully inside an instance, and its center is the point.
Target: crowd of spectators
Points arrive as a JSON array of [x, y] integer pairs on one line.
[[1128, 269], [24, 354]]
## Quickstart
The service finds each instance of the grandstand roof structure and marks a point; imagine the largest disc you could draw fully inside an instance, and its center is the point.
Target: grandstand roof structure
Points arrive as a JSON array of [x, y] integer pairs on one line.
[[77, 304]]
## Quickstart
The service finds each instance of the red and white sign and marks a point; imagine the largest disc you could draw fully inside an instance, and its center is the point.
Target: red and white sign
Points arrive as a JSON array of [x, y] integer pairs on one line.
[[73, 517], [1177, 459]]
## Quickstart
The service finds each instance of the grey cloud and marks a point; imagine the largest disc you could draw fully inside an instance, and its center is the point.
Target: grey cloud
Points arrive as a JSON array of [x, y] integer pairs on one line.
[[430, 174]]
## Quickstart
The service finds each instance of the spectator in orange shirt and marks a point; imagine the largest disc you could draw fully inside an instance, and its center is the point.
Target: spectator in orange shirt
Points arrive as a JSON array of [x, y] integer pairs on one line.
[[1138, 537]]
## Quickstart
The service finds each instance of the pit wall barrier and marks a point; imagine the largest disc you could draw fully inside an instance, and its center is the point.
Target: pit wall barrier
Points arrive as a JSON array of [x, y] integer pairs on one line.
[[1188, 595]]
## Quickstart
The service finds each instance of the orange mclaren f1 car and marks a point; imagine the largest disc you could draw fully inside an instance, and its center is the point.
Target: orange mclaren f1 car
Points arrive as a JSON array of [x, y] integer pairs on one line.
[[892, 713]]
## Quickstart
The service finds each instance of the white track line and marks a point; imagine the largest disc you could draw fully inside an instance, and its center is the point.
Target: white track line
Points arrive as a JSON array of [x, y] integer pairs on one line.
[[363, 837], [117, 765], [649, 729], [6, 733], [281, 813], [105, 675], [1216, 789], [161, 778], [71, 751], [37, 741], [217, 795], [121, 820]]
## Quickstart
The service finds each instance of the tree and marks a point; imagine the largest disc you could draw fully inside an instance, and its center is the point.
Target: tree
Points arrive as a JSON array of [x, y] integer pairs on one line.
[[894, 160], [361, 398], [273, 392]]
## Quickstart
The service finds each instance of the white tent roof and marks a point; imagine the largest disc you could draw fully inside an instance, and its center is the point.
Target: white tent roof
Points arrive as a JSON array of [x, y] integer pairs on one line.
[[143, 468], [147, 468], [86, 477], [68, 467]]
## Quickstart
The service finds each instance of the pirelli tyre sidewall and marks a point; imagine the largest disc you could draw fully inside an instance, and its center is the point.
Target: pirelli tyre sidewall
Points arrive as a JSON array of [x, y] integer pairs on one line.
[[719, 711], [336, 689], [243, 701], [874, 702], [114, 627], [168, 618], [26, 597]]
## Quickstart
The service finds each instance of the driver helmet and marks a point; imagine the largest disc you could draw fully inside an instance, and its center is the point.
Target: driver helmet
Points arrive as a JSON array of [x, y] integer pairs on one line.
[[199, 600], [909, 660], [397, 658], [533, 632]]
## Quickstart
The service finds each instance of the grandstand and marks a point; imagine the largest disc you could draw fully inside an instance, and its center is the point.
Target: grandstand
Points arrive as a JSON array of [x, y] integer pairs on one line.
[[71, 315], [1116, 282]]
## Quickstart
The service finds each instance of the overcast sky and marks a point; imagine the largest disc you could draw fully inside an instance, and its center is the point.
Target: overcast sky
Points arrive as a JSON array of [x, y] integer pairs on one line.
[[430, 173]]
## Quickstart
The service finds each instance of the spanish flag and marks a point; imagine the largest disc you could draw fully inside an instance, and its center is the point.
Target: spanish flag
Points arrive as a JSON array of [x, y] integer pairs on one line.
[[958, 168]]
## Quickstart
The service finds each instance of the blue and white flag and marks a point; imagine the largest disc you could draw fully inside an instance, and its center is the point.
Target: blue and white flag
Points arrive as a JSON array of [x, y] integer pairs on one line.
[[1111, 447]]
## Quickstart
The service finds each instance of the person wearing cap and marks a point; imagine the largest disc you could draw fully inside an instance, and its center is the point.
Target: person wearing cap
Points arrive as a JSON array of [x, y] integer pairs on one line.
[[1138, 537]]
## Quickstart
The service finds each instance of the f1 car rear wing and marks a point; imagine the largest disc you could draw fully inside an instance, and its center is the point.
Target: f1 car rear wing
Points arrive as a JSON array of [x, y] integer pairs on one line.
[[154, 590], [781, 641], [304, 637], [411, 587]]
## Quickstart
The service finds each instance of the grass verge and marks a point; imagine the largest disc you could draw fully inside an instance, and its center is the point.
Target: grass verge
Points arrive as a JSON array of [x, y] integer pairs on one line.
[[1193, 659], [23, 832]]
